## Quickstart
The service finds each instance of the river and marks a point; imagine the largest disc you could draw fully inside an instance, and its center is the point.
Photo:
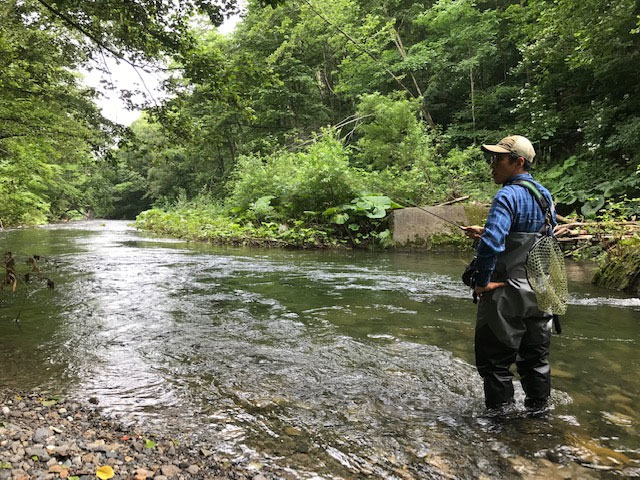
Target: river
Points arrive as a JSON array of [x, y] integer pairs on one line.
[[319, 364]]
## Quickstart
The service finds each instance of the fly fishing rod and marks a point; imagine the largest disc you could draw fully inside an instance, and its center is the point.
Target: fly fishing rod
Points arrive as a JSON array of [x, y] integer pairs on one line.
[[435, 215]]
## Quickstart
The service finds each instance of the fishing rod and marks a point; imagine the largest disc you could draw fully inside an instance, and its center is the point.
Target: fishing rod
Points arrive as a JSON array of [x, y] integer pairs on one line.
[[435, 215]]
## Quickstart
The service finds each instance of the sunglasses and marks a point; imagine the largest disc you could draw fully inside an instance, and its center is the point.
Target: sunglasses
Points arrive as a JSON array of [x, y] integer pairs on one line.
[[494, 158]]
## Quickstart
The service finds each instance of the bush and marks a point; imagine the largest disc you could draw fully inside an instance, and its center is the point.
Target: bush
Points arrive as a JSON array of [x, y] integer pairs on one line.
[[289, 185]]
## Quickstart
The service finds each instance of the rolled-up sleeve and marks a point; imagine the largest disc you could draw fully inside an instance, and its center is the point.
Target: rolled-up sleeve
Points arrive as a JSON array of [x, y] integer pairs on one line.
[[492, 241]]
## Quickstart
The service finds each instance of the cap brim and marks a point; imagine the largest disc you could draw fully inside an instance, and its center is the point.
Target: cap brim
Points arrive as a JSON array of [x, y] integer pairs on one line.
[[494, 149]]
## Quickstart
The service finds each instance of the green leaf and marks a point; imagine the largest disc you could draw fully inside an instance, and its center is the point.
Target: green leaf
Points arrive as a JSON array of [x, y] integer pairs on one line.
[[590, 208], [377, 213], [150, 444], [331, 211], [340, 218], [569, 162], [354, 226], [263, 202]]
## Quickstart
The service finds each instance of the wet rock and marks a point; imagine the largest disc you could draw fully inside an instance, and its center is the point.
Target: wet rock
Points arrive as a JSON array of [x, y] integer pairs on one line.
[[617, 418]]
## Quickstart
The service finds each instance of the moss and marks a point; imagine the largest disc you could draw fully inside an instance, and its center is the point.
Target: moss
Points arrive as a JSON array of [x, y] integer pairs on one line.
[[622, 268], [477, 214], [441, 242], [449, 241]]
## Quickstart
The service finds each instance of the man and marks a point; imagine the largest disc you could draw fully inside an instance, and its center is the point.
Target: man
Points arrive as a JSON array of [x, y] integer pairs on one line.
[[509, 326]]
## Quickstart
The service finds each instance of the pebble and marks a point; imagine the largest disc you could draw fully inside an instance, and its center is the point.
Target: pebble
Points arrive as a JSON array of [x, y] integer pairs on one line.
[[41, 434], [39, 448], [170, 471]]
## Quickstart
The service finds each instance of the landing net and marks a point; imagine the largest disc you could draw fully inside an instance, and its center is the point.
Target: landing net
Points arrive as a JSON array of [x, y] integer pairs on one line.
[[547, 275]]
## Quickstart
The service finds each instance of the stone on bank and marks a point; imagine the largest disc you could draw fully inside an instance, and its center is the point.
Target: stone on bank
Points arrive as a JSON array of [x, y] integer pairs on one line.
[[424, 227]]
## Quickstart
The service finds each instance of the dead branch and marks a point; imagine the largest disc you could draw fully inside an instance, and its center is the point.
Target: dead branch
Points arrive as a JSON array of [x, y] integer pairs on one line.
[[455, 200]]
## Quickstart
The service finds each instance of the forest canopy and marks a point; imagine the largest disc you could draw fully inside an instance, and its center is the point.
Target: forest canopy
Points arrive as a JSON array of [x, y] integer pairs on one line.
[[309, 106]]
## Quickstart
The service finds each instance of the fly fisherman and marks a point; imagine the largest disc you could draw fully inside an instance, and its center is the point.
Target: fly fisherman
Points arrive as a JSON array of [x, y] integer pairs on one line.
[[509, 326]]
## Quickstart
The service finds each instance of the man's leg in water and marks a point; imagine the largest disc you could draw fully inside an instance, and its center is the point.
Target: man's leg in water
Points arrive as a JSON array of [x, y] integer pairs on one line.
[[493, 360], [533, 362]]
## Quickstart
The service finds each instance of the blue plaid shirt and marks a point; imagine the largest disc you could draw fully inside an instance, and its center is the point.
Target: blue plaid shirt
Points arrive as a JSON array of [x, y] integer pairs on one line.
[[514, 209]]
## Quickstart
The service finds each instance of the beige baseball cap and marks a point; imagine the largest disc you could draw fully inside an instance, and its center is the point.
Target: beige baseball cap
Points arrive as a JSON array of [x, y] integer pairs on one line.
[[515, 144]]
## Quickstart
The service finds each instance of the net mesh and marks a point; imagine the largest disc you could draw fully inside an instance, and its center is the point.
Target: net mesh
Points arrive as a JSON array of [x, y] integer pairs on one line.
[[547, 275]]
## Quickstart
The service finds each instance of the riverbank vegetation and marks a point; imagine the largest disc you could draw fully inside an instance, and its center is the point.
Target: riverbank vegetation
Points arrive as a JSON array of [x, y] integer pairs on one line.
[[312, 120]]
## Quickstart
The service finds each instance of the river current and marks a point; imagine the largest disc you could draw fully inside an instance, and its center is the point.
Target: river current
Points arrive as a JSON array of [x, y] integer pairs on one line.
[[313, 364]]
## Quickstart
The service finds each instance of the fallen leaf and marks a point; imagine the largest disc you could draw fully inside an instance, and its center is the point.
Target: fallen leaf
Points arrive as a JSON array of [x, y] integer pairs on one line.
[[48, 403], [124, 438], [105, 472], [150, 444]]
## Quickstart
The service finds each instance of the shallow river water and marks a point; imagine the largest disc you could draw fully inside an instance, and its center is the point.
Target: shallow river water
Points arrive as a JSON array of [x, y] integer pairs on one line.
[[315, 364]]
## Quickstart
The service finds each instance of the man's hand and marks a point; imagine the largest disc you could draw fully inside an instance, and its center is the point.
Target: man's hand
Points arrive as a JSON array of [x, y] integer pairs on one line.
[[473, 231], [489, 287]]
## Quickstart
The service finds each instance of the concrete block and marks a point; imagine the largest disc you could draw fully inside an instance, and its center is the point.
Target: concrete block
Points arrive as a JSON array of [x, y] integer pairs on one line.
[[414, 226]]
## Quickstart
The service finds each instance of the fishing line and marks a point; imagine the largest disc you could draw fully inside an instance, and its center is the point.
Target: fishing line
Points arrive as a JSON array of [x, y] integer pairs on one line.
[[435, 215]]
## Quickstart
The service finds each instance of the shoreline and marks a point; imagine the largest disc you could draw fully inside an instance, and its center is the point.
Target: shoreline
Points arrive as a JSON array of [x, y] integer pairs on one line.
[[45, 437]]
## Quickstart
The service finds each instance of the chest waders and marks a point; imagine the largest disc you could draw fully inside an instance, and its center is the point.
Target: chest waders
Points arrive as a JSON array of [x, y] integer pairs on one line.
[[504, 308], [510, 328]]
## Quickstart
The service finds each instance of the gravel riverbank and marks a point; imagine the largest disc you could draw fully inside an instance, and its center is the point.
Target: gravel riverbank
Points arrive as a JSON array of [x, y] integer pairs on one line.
[[43, 437]]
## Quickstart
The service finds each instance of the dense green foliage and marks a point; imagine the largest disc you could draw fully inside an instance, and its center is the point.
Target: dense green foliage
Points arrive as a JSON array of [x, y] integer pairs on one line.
[[55, 146], [411, 87], [50, 129], [309, 107]]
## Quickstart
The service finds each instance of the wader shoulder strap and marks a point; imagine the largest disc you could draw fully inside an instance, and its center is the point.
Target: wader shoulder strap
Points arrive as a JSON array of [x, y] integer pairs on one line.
[[541, 200]]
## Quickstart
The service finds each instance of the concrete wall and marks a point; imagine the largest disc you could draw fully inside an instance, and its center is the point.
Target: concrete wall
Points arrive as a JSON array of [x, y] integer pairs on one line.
[[414, 226]]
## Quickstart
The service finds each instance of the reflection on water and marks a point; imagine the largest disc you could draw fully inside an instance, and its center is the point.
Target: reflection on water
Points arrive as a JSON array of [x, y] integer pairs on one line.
[[335, 364]]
